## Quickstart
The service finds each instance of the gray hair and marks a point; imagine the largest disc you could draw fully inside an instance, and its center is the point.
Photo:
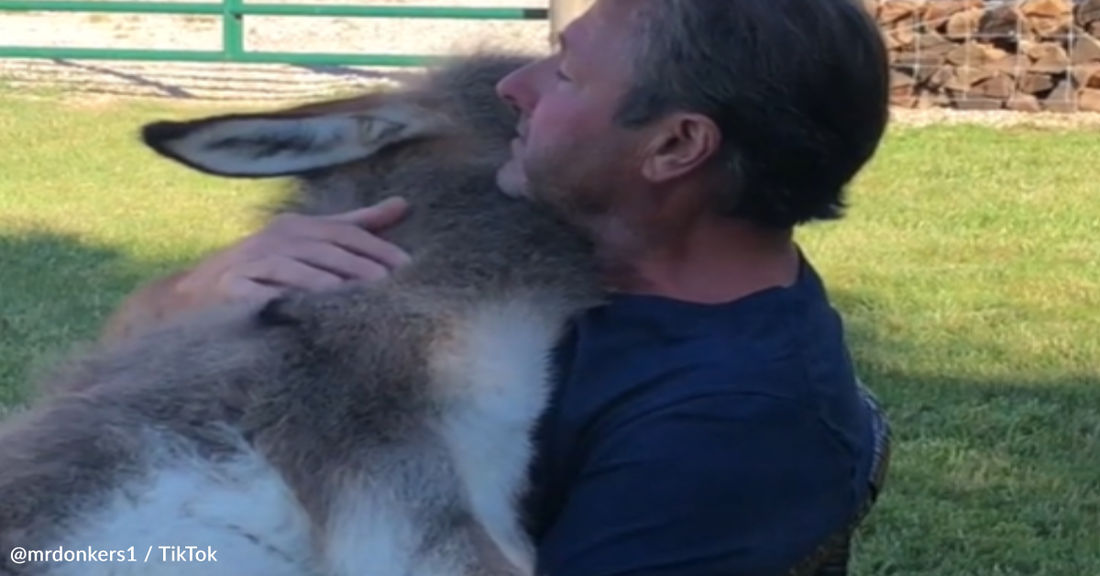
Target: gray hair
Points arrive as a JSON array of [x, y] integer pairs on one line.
[[798, 88]]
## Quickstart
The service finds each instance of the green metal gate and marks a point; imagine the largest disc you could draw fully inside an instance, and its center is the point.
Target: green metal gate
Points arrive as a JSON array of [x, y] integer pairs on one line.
[[232, 13]]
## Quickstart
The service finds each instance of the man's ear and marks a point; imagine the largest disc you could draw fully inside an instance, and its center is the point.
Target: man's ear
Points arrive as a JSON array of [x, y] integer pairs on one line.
[[296, 141], [681, 143]]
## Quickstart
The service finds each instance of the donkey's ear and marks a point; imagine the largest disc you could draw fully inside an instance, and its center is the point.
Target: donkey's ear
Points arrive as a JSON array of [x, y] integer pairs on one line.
[[281, 144]]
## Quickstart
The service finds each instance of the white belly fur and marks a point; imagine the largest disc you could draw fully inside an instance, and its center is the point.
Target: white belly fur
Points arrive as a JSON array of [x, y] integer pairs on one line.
[[242, 510], [503, 367]]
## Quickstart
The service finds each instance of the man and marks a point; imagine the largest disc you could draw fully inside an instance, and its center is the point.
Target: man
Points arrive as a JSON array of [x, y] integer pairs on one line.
[[708, 420]]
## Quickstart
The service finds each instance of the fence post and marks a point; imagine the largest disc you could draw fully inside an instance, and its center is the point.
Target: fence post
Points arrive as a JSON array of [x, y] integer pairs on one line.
[[232, 30], [562, 12]]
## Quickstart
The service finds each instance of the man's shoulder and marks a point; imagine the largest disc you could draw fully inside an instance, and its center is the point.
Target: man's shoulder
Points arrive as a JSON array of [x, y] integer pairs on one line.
[[664, 384], [775, 358], [781, 342]]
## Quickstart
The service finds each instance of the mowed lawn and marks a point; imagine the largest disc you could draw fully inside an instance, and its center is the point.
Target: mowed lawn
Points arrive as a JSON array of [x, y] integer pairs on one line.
[[968, 271]]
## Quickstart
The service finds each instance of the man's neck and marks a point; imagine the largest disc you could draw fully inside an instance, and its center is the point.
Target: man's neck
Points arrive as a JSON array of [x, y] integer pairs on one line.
[[714, 260]]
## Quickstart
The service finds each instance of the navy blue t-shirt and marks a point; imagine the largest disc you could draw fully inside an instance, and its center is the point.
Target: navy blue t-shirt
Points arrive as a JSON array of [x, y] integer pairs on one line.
[[700, 440]]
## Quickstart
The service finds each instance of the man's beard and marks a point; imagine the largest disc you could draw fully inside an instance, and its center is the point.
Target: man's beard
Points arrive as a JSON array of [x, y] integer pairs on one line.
[[589, 200], [572, 192]]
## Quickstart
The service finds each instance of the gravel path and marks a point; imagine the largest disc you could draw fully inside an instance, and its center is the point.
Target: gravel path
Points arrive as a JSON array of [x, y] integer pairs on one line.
[[87, 78]]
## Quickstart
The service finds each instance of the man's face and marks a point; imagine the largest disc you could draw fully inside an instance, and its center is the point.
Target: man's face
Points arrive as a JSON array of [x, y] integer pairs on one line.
[[568, 153]]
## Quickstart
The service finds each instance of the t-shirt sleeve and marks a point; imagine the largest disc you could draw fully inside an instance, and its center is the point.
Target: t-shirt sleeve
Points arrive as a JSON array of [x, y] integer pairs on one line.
[[733, 485]]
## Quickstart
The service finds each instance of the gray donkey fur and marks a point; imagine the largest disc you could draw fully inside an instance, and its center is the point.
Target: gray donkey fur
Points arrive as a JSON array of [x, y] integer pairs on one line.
[[378, 429]]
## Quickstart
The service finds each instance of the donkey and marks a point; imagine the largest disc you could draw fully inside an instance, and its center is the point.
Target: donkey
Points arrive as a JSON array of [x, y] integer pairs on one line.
[[380, 428]]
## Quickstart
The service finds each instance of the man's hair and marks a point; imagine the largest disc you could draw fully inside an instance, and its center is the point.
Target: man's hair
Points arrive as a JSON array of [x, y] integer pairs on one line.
[[798, 88]]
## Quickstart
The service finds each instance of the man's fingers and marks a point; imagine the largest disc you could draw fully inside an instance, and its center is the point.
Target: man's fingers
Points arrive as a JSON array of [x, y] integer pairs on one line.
[[288, 273], [244, 290], [366, 245], [351, 238], [334, 259], [296, 234], [303, 252], [381, 215]]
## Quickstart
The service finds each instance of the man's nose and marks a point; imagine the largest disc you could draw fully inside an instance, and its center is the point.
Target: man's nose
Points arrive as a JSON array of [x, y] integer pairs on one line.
[[515, 89]]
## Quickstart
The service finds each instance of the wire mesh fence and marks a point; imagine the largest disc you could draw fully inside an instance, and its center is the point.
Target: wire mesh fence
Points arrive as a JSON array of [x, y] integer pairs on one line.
[[1023, 55]]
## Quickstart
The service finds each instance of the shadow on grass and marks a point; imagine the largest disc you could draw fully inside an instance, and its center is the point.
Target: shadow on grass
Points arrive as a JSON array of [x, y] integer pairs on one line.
[[989, 476], [55, 291]]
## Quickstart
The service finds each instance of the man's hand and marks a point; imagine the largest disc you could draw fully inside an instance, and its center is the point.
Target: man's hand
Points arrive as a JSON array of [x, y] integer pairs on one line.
[[300, 252]]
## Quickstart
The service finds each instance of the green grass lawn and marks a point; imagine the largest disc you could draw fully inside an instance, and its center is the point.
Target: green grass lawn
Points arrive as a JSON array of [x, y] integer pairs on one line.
[[968, 271]]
